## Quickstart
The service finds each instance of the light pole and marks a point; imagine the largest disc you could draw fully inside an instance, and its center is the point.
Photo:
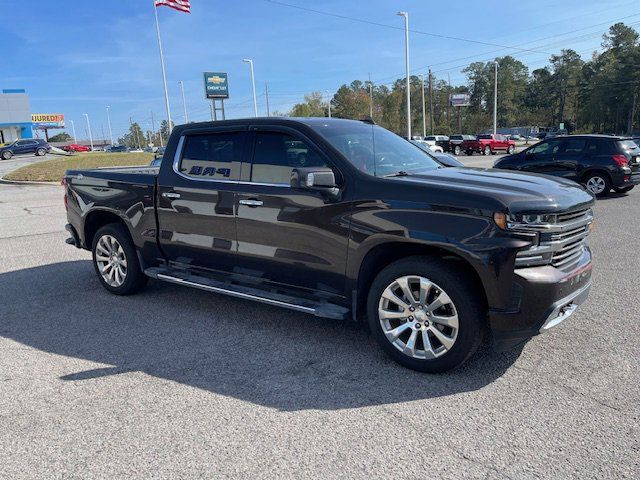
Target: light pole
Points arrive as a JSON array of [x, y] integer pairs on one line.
[[109, 122], [89, 128], [424, 117], [495, 100], [253, 85], [73, 128], [406, 48], [184, 104]]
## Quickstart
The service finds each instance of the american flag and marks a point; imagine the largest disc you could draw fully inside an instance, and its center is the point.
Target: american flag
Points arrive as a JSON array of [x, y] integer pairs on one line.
[[181, 5]]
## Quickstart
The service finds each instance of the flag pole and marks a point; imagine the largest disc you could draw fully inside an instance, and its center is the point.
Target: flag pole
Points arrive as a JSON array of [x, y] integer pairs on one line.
[[164, 75]]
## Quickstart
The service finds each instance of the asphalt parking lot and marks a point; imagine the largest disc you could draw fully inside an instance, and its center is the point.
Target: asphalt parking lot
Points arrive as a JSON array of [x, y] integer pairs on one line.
[[175, 383]]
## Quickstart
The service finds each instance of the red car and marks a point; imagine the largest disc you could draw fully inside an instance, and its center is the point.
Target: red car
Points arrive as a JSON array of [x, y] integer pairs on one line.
[[76, 148], [488, 144]]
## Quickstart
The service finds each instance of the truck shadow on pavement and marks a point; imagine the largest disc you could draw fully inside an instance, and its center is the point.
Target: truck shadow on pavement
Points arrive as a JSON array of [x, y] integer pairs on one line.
[[245, 350]]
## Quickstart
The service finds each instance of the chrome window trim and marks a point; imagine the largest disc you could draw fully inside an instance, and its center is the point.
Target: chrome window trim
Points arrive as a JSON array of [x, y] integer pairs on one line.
[[176, 169]]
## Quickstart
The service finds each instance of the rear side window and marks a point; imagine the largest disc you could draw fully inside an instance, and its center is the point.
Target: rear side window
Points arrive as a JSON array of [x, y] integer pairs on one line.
[[276, 154], [573, 145], [628, 145], [484, 137], [215, 156], [600, 146]]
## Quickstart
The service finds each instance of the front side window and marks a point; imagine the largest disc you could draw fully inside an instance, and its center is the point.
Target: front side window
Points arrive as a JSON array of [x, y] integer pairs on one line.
[[546, 148], [215, 156], [276, 154], [375, 150]]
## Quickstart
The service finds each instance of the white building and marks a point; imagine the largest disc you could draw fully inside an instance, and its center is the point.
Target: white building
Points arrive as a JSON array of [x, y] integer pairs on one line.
[[15, 115]]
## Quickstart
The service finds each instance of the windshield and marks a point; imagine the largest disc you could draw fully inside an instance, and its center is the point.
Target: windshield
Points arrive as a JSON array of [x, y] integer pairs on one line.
[[377, 151], [484, 137]]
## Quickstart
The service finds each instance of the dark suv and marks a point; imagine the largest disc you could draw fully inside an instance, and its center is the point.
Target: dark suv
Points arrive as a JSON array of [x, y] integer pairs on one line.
[[28, 145], [599, 162]]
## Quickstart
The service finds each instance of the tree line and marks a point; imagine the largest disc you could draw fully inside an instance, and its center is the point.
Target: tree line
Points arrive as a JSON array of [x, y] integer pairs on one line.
[[599, 94]]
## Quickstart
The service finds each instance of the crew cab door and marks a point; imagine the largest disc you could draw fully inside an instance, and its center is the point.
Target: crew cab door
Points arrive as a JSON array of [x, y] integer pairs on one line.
[[24, 146], [290, 236], [196, 198]]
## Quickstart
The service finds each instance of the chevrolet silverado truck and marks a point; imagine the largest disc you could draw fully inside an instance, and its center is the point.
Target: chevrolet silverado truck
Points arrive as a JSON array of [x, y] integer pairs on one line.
[[487, 144], [353, 224]]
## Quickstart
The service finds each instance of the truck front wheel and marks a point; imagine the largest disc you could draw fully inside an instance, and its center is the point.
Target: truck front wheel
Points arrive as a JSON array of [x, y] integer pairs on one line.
[[487, 150], [425, 315], [115, 260]]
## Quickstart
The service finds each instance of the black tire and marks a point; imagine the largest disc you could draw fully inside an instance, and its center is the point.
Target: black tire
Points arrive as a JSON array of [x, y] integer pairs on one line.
[[135, 279], [456, 150], [487, 150], [469, 152], [604, 179], [41, 152], [624, 189], [6, 155], [465, 295]]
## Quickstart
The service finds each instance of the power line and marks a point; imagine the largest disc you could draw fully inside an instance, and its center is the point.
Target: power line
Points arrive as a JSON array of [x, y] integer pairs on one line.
[[394, 27]]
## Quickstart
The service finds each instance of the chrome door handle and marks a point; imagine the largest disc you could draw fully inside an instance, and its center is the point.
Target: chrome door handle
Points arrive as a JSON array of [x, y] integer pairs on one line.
[[170, 195], [252, 203]]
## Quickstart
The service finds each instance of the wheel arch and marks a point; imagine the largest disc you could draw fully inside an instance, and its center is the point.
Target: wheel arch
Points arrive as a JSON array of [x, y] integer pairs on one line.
[[97, 219], [591, 171], [384, 254]]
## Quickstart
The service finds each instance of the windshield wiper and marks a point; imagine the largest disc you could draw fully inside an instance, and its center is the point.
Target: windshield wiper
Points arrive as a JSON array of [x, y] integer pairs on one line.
[[401, 173]]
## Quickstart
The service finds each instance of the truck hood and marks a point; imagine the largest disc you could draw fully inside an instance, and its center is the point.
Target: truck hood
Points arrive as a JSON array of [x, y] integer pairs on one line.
[[515, 192]]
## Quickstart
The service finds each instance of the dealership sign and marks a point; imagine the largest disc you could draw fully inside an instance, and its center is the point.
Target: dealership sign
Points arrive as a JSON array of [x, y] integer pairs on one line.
[[216, 85], [459, 99], [47, 120]]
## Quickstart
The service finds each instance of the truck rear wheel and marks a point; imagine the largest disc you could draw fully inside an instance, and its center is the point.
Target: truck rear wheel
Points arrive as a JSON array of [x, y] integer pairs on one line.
[[425, 315], [116, 262], [456, 150]]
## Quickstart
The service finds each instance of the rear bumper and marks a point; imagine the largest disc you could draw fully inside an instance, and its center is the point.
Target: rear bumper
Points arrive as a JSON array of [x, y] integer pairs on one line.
[[542, 298], [621, 180], [74, 239]]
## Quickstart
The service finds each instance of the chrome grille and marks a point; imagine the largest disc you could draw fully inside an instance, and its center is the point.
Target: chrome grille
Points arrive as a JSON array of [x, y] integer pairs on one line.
[[561, 240]]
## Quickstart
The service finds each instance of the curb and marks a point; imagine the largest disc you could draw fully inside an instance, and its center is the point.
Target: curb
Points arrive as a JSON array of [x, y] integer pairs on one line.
[[4, 181]]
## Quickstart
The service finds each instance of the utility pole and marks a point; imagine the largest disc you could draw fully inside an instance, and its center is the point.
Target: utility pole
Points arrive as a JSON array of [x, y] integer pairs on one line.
[[406, 53], [73, 128], [89, 130], [370, 98], [253, 86], [424, 114], [153, 127], [266, 94], [184, 103], [449, 100], [430, 103], [495, 99], [109, 122], [103, 137]]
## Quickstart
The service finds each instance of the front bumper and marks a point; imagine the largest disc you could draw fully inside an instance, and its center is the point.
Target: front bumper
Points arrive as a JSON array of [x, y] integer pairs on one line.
[[542, 297]]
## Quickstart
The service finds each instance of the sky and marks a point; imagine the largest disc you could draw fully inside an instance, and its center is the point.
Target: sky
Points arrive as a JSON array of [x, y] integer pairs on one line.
[[76, 57]]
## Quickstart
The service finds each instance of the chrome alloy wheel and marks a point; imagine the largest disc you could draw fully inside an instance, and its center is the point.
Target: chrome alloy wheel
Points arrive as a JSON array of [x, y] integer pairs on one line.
[[596, 185], [111, 260], [418, 317]]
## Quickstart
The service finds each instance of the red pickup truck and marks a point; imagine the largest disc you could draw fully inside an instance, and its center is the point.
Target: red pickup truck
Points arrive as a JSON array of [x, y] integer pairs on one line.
[[488, 143]]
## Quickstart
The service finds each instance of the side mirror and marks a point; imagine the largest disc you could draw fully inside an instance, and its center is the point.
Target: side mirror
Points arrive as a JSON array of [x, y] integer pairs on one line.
[[318, 179], [313, 178]]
